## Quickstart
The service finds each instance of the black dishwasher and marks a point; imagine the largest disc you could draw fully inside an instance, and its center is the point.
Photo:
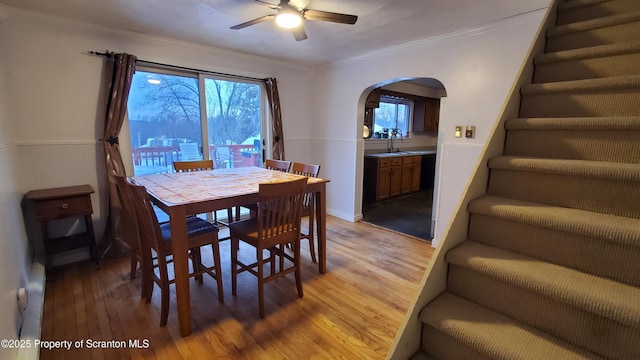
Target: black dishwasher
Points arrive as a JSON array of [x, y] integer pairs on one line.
[[427, 171]]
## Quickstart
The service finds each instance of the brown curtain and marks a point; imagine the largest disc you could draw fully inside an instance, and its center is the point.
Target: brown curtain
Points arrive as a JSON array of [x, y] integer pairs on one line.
[[277, 148], [119, 69]]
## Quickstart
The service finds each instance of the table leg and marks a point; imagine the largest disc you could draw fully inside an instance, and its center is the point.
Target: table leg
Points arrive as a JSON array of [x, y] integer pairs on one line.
[[321, 223], [181, 267]]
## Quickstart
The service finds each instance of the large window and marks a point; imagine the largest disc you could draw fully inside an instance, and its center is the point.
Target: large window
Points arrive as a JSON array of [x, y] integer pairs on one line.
[[392, 115], [189, 116]]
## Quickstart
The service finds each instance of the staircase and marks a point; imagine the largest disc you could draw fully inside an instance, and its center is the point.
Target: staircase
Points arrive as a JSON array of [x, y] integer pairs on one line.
[[550, 268]]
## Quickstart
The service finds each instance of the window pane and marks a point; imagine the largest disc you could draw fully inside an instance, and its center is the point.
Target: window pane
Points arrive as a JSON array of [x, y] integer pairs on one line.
[[393, 113], [164, 121], [234, 119], [384, 116]]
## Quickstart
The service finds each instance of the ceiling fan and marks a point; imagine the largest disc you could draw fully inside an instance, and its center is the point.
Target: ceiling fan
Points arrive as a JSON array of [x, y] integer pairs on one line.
[[290, 17]]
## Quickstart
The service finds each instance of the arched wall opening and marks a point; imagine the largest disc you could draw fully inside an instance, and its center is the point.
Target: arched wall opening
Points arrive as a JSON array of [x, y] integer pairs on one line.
[[401, 197]]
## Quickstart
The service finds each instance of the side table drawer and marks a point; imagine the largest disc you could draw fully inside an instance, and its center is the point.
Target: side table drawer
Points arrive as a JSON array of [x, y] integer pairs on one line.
[[65, 207]]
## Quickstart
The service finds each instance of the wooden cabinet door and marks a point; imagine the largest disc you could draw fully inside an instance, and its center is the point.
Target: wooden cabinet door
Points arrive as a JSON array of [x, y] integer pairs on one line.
[[415, 173], [407, 161], [432, 115], [396, 177], [384, 182]]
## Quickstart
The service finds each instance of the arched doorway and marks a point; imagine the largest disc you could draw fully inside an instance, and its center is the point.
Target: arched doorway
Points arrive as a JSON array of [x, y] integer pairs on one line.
[[400, 133]]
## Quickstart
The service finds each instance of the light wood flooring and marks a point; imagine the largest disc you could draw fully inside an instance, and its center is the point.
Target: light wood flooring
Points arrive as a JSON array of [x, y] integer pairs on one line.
[[351, 312]]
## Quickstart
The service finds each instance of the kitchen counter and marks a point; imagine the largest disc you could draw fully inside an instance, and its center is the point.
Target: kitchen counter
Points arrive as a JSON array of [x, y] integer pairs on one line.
[[401, 153]]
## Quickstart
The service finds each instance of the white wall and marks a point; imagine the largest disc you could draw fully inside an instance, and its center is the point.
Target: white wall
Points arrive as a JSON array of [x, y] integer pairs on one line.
[[477, 67], [15, 260]]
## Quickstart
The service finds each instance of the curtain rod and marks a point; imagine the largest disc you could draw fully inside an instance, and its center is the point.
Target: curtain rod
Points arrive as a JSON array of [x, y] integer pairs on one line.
[[109, 54]]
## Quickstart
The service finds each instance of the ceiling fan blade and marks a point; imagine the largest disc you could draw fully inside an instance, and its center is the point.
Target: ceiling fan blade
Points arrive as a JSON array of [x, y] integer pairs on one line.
[[329, 16], [254, 21], [299, 33]]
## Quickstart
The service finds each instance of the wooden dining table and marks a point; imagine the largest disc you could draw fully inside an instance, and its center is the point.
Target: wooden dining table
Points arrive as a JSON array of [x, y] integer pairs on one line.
[[197, 192]]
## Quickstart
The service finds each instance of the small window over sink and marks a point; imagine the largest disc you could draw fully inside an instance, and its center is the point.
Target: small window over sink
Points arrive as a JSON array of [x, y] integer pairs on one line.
[[393, 115]]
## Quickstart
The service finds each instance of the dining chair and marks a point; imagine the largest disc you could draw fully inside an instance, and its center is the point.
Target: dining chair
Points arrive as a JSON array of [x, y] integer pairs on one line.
[[271, 164], [280, 165], [192, 165], [276, 224], [197, 165], [308, 208], [156, 237]]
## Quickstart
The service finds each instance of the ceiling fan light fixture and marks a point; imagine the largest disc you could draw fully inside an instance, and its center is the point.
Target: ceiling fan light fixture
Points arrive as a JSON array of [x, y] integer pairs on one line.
[[288, 19]]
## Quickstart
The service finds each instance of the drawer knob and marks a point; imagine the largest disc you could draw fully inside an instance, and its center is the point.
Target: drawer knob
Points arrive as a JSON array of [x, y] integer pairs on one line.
[[65, 206]]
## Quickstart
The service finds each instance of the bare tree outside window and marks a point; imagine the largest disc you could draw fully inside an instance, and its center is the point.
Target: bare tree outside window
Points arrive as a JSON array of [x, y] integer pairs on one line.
[[164, 111]]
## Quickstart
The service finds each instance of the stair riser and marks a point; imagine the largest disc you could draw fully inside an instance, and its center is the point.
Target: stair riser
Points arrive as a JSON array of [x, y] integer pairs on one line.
[[597, 334], [601, 36], [600, 257], [624, 102], [444, 347], [621, 198], [619, 65], [603, 9], [594, 145]]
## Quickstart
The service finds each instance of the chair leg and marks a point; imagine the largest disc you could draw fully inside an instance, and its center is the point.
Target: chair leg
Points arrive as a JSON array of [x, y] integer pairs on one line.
[[298, 271], [260, 283], [134, 266], [196, 261], [164, 292], [146, 291], [229, 215], [235, 243], [312, 242], [215, 248]]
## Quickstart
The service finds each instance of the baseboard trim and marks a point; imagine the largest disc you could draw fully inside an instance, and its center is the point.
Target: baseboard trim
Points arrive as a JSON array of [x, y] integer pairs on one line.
[[32, 324]]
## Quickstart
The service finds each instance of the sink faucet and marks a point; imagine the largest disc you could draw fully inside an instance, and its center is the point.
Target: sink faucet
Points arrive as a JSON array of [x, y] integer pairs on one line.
[[394, 134]]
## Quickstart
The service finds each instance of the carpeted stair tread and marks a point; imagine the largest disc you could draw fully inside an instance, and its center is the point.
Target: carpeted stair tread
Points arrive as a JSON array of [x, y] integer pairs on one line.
[[577, 123], [581, 10], [594, 24], [612, 228], [631, 82], [575, 4], [494, 334], [593, 255], [583, 168], [603, 297], [627, 47], [592, 332]]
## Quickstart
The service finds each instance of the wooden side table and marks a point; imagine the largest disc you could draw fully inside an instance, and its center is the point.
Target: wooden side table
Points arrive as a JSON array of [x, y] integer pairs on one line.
[[59, 203]]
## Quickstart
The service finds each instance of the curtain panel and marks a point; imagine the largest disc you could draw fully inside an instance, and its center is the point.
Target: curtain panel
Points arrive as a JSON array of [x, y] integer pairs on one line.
[[118, 71], [277, 147]]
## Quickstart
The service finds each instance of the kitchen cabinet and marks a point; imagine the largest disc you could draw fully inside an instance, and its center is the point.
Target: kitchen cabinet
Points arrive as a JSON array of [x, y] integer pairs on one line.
[[426, 115], [390, 175], [396, 177]]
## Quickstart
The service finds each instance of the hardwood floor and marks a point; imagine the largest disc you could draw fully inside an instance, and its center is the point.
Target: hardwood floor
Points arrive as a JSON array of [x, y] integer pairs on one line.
[[351, 312]]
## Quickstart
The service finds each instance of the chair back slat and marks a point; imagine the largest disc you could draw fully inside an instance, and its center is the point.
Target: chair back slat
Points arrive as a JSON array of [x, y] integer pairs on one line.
[[306, 170], [195, 165], [280, 165], [280, 209]]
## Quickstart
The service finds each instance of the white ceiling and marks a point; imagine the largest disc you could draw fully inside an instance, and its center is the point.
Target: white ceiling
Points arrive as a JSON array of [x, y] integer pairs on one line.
[[381, 23]]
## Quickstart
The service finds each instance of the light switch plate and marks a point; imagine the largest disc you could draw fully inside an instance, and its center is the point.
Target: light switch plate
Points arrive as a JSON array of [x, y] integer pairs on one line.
[[469, 132]]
